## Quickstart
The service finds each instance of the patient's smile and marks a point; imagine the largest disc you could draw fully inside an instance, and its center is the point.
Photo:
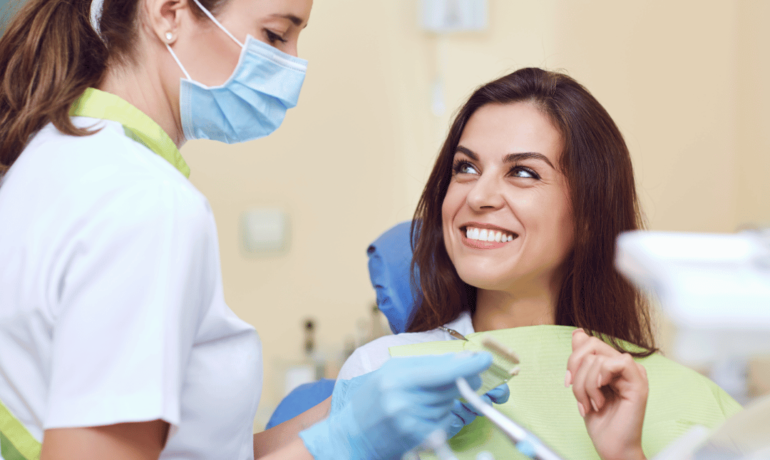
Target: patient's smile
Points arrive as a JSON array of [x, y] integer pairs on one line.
[[483, 238]]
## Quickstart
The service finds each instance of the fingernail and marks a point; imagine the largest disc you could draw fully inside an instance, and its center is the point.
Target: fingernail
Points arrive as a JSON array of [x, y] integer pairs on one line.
[[582, 410], [576, 330], [593, 404], [567, 379]]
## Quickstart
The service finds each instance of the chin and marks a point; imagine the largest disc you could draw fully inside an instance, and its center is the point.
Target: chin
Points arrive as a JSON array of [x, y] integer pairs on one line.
[[486, 281]]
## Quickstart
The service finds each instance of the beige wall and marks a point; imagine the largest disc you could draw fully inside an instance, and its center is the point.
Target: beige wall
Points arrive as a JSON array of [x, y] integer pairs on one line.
[[686, 81]]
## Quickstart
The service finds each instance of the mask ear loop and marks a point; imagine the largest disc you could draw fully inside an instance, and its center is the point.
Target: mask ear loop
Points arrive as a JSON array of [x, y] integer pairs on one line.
[[173, 54], [211, 16]]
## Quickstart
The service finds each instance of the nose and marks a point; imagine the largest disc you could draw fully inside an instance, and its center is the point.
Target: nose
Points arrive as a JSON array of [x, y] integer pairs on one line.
[[485, 194]]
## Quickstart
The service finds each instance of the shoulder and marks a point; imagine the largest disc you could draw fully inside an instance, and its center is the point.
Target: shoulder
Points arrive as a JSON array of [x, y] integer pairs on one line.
[[108, 156], [373, 355], [100, 172]]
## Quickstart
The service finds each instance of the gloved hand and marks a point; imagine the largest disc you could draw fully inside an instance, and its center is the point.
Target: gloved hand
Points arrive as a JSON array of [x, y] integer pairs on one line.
[[394, 408], [464, 413]]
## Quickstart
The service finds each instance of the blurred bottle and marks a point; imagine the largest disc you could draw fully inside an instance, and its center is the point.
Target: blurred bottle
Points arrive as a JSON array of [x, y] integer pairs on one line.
[[371, 328], [312, 355], [379, 323], [308, 369]]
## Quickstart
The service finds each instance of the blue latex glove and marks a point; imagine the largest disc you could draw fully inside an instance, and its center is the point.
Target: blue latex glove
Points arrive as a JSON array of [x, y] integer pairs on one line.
[[394, 408], [464, 413]]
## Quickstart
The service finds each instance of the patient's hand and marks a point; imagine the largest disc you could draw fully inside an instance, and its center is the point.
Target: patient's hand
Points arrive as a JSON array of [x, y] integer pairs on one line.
[[611, 390]]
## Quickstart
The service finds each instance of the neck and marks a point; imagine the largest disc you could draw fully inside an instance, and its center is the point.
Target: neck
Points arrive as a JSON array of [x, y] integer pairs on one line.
[[141, 86], [535, 305]]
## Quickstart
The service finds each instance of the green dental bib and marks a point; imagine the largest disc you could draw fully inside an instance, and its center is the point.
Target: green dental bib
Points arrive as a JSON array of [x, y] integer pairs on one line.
[[678, 399]]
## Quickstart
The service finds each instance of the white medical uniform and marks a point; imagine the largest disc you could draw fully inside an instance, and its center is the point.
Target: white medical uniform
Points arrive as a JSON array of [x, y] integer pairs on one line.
[[111, 302]]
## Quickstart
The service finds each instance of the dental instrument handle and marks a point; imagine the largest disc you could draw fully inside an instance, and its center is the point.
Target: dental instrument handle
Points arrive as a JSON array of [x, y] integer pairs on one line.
[[526, 442]]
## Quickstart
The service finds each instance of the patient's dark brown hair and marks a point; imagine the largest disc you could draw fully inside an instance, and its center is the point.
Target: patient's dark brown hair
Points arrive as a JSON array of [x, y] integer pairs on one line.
[[597, 165]]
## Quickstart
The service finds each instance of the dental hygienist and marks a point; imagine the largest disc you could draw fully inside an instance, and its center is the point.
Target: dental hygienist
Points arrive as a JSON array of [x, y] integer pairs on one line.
[[115, 339]]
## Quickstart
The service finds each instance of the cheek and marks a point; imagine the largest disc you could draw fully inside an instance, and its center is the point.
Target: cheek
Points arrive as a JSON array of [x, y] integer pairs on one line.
[[452, 203], [548, 222], [561, 231]]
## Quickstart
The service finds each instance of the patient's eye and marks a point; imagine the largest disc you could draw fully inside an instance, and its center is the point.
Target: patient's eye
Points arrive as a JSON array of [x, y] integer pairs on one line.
[[524, 172], [464, 167]]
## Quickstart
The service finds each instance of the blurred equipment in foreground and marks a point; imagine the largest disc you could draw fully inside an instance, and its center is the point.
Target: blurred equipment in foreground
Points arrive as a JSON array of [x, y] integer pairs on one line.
[[716, 291]]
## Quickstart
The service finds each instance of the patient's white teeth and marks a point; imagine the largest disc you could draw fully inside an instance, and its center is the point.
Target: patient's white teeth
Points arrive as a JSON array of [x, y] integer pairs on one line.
[[487, 235]]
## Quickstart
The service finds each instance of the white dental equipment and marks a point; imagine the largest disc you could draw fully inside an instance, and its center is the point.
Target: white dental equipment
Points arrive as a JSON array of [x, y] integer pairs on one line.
[[714, 288], [526, 442], [744, 436], [716, 291]]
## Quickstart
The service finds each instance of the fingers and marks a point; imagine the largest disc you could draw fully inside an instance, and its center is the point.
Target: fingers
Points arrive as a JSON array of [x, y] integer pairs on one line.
[[624, 375], [592, 386], [500, 394], [464, 412], [445, 394], [579, 384], [621, 375], [579, 337], [582, 346], [437, 371]]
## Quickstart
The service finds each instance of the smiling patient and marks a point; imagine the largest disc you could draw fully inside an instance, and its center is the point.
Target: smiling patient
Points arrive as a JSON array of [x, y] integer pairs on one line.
[[514, 237]]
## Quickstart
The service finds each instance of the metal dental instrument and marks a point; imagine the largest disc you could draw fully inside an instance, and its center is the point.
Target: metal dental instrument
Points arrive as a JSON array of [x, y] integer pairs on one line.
[[504, 365], [526, 442], [453, 333]]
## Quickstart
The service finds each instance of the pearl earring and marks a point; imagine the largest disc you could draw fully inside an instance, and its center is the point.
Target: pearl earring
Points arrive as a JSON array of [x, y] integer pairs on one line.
[[169, 36]]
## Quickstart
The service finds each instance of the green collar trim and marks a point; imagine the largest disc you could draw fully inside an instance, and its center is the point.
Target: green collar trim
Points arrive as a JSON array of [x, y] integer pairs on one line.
[[138, 126]]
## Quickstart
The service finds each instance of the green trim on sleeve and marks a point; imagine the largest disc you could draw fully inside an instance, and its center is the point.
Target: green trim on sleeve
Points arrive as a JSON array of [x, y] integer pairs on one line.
[[16, 443], [138, 126]]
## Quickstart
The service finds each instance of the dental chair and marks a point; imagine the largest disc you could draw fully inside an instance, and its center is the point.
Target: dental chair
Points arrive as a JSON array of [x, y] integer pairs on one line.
[[390, 259]]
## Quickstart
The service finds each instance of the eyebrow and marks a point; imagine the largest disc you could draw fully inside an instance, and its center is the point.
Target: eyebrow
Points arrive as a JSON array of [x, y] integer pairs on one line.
[[294, 19], [511, 157]]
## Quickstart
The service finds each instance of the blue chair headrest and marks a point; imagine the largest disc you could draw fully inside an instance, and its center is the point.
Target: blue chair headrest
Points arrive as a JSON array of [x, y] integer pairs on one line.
[[390, 259]]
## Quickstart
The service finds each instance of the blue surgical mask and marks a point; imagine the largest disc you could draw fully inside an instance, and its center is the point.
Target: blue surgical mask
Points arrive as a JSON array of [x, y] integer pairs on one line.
[[251, 104]]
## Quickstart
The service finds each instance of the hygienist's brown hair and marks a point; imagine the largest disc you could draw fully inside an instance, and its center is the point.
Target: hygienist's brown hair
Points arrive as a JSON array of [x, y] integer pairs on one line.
[[50, 54], [597, 165]]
